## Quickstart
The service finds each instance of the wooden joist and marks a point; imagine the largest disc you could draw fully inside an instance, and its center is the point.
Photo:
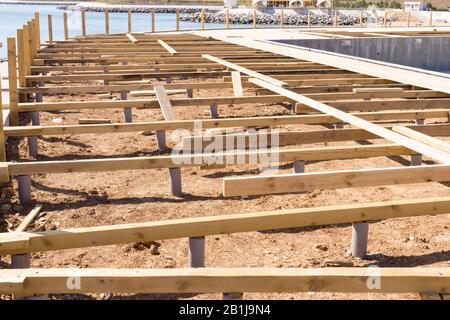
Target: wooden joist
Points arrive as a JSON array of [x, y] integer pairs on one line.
[[303, 182], [416, 135], [201, 280], [169, 49], [26, 242], [129, 36]]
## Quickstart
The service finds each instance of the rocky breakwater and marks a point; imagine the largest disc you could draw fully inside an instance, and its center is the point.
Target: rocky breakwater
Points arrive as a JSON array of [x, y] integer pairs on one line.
[[135, 9], [263, 18]]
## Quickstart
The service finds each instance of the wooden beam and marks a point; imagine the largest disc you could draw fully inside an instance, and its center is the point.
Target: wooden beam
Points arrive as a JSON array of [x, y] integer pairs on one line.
[[164, 102], [245, 70], [206, 280], [237, 85], [169, 49], [13, 243], [12, 81], [358, 122], [29, 218], [303, 182], [132, 39], [228, 158], [416, 135]]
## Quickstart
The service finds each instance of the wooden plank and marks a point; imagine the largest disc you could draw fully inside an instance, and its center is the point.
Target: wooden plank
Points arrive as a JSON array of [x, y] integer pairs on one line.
[[432, 142], [228, 158], [245, 70], [288, 183], [359, 122], [12, 243], [237, 85], [23, 131], [169, 49], [2, 134], [132, 39], [206, 280], [93, 121], [29, 218], [12, 81], [164, 102]]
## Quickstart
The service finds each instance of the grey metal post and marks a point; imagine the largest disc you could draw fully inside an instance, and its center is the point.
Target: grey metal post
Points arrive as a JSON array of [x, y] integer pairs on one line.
[[105, 71], [299, 166], [214, 112], [126, 111], [360, 234], [161, 140], [339, 125], [420, 121], [293, 109], [33, 141], [168, 80], [189, 93], [233, 296], [23, 261], [24, 183], [196, 257], [416, 160], [175, 182]]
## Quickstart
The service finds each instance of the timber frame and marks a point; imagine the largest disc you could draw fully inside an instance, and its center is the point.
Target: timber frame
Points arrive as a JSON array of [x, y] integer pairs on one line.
[[356, 106]]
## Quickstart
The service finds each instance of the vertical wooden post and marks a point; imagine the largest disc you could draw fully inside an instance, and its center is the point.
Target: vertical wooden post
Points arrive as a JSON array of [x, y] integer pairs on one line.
[[21, 59], [281, 19], [335, 18], [50, 29], [202, 17], [385, 19], [26, 50], [153, 20], [37, 29], [66, 27], [31, 40], [129, 21], [431, 18], [361, 17], [309, 19], [408, 21], [227, 19], [12, 77], [2, 134], [83, 22], [254, 19], [106, 21], [177, 19]]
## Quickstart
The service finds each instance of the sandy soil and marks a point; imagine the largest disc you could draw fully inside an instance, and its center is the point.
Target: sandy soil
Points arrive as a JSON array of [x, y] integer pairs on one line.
[[104, 198]]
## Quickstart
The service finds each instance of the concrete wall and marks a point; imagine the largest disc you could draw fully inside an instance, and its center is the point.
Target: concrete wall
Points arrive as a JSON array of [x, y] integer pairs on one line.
[[430, 53]]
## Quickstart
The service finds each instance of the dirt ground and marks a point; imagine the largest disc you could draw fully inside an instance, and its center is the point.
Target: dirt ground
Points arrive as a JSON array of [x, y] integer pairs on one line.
[[106, 198]]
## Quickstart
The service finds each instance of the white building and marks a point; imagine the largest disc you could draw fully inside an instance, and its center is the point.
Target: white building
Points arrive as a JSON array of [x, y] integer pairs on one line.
[[414, 5]]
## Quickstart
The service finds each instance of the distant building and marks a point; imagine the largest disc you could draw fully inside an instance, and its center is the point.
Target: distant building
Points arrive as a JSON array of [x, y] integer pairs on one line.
[[414, 6]]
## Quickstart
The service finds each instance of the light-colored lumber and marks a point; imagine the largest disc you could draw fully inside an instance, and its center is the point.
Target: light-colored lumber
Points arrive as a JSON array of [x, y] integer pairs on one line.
[[237, 85], [245, 70], [13, 243], [358, 122], [201, 280], [169, 49], [288, 183], [164, 102], [29, 218], [2, 134], [131, 37], [431, 141], [152, 92]]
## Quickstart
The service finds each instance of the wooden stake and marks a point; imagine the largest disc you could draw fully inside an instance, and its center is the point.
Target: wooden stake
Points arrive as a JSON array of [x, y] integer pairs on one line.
[[21, 58], [26, 51], [37, 29], [31, 40], [361, 17], [227, 19], [202, 17], [309, 19], [50, 29], [12, 77], [282, 19], [129, 21], [254, 19], [66, 27], [106, 21], [408, 21], [83, 22], [177, 20], [431, 18], [153, 20], [385, 19]]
